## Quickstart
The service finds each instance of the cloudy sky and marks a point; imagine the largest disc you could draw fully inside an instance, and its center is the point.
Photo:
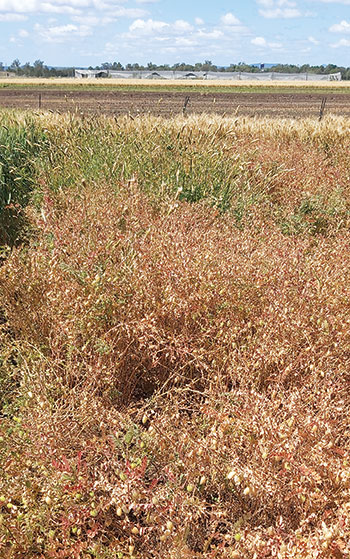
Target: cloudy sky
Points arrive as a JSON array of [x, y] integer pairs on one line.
[[88, 32]]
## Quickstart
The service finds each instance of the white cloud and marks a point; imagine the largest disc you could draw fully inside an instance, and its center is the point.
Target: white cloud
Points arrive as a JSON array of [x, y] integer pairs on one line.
[[70, 7], [156, 29], [342, 27], [313, 40], [153, 27], [344, 2], [181, 38], [37, 5], [120, 11], [50, 8], [278, 3], [185, 42], [214, 34], [34, 6], [109, 48], [230, 19], [148, 27], [12, 17], [273, 9], [60, 33], [182, 26], [22, 34], [259, 42], [341, 43], [285, 13], [93, 20], [262, 43]]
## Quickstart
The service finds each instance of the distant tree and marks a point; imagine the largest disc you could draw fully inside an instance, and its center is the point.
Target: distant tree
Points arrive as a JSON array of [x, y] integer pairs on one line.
[[286, 68], [27, 69], [38, 68], [15, 66], [208, 66], [117, 66], [183, 67], [134, 67], [331, 69]]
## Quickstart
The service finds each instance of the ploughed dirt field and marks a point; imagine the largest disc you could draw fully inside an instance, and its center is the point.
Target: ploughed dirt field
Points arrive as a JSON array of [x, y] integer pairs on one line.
[[168, 103]]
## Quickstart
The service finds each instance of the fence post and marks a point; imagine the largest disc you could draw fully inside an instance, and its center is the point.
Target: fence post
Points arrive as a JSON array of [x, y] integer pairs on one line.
[[322, 108], [187, 99]]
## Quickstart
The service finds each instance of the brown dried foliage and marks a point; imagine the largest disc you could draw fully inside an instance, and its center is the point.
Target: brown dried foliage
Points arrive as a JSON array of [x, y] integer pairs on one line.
[[184, 384]]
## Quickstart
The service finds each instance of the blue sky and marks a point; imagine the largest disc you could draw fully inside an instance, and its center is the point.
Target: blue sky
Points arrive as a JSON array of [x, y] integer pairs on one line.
[[88, 32]]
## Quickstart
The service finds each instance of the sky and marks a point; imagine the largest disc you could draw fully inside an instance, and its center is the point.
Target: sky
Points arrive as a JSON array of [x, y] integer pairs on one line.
[[88, 32]]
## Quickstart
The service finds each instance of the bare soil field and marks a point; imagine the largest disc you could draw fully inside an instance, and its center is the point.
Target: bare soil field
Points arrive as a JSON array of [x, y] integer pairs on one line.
[[169, 103]]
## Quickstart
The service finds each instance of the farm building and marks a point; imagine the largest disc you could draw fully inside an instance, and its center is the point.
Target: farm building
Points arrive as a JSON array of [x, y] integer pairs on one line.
[[180, 75], [5, 74], [91, 74]]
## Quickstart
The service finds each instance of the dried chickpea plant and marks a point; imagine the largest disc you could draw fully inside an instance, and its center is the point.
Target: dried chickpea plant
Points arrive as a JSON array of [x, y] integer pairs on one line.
[[175, 342]]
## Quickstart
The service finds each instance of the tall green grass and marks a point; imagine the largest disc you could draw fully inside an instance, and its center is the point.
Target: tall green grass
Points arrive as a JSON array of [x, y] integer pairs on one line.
[[281, 170], [292, 173], [21, 142]]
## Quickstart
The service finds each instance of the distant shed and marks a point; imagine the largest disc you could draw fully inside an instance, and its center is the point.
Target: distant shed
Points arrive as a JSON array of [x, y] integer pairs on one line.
[[5, 74], [178, 75], [91, 74]]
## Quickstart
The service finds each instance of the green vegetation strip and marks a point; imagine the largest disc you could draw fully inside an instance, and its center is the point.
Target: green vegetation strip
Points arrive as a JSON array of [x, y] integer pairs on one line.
[[187, 88]]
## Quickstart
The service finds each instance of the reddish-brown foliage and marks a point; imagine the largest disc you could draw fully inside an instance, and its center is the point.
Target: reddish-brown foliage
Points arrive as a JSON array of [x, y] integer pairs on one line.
[[185, 384]]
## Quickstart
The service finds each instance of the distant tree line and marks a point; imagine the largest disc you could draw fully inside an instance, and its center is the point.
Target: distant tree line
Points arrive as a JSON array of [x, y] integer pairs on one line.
[[307, 69], [36, 70], [208, 66], [40, 70]]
